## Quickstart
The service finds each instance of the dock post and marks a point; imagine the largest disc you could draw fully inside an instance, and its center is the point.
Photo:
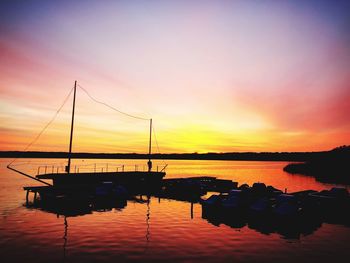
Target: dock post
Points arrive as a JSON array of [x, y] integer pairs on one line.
[[191, 210], [27, 197], [45, 168], [157, 168], [123, 167], [52, 169], [117, 169], [35, 193], [57, 169], [38, 170]]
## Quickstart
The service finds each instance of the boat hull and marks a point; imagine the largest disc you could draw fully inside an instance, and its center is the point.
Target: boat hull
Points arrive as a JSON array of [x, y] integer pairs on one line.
[[131, 180]]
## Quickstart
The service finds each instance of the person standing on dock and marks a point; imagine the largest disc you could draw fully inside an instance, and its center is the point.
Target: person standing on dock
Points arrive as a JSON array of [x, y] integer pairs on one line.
[[149, 164]]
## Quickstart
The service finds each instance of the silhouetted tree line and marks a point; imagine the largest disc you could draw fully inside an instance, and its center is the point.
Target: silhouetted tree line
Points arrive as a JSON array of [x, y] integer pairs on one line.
[[333, 167], [239, 156]]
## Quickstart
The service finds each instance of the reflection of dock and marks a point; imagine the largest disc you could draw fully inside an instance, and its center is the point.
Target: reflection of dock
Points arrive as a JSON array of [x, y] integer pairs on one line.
[[261, 207], [267, 225], [265, 222]]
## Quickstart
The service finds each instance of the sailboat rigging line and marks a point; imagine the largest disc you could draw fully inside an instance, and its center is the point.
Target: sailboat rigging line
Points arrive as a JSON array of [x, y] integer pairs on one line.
[[155, 139], [111, 107], [27, 175], [45, 127]]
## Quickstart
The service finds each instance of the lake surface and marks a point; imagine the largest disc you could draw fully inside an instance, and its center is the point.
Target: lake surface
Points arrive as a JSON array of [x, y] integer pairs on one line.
[[160, 229]]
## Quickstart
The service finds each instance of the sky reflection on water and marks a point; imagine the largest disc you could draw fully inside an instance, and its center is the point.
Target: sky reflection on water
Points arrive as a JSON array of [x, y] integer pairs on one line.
[[161, 229]]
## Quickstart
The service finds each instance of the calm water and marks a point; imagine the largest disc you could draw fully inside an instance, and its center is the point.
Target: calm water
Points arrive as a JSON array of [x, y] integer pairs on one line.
[[160, 230]]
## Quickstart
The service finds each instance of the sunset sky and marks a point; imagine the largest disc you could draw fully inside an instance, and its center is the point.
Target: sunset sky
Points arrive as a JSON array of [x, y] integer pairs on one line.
[[217, 76]]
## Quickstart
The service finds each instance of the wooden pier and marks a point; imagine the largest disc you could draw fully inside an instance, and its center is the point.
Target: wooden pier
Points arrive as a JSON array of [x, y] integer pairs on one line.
[[187, 189]]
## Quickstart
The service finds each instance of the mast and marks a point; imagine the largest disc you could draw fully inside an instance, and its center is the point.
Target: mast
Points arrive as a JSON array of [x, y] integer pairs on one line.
[[71, 131], [149, 163]]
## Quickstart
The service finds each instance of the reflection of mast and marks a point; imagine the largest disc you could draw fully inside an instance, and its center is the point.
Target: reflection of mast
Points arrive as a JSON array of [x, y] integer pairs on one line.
[[65, 238], [148, 215]]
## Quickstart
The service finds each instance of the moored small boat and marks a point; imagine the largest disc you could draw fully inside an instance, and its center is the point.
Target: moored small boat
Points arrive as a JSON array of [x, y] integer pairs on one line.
[[261, 207], [286, 207]]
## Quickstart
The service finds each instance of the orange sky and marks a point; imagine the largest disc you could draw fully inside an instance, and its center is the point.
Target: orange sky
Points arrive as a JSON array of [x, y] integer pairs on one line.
[[217, 76]]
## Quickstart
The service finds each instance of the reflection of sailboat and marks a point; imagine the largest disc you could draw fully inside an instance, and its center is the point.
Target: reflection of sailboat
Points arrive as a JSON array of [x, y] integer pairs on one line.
[[71, 206], [65, 238], [148, 216], [64, 208]]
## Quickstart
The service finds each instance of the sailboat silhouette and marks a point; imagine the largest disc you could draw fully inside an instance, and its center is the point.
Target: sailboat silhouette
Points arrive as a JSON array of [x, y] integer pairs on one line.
[[128, 179]]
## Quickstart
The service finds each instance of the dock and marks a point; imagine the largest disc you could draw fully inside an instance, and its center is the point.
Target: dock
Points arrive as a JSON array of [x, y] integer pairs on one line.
[[185, 189], [192, 188]]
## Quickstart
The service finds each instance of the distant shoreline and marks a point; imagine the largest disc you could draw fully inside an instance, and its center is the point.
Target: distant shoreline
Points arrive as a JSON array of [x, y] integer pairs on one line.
[[327, 166], [232, 156]]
